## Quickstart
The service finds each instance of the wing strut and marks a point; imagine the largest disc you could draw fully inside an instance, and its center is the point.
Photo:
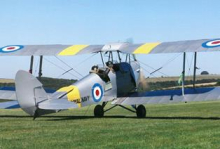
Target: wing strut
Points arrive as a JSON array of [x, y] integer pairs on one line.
[[183, 73], [31, 65], [102, 59], [194, 73], [40, 67]]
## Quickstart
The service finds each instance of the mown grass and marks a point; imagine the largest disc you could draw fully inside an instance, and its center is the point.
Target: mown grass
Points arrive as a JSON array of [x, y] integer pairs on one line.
[[191, 125]]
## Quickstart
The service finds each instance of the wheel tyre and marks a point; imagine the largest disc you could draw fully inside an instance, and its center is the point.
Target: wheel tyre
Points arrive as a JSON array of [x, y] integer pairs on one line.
[[98, 111], [141, 111]]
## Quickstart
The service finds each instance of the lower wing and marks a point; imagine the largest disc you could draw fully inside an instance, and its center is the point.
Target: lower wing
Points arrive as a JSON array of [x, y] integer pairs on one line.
[[9, 105], [8, 93], [170, 96]]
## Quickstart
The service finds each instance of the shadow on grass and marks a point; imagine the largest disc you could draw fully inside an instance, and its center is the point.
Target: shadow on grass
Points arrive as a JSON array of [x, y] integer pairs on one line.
[[61, 118]]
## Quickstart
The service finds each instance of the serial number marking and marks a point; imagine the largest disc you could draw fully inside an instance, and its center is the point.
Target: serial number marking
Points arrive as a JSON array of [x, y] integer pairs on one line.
[[84, 99]]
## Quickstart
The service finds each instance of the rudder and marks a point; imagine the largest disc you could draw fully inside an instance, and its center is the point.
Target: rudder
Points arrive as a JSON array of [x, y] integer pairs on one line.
[[30, 92]]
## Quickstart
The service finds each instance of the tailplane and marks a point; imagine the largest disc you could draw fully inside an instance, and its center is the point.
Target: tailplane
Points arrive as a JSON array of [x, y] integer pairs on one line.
[[29, 93], [34, 100]]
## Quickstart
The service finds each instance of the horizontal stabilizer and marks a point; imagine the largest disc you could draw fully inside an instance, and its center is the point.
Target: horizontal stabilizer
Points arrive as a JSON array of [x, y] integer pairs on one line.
[[9, 105], [57, 104]]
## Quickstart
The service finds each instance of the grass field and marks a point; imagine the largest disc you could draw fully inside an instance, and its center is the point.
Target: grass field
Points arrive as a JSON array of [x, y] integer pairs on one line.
[[191, 125]]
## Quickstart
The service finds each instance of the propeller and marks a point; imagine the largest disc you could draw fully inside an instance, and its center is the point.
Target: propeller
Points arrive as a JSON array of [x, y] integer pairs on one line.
[[143, 85]]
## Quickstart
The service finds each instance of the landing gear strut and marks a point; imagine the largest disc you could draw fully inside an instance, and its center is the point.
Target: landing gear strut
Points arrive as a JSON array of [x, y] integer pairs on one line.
[[99, 110]]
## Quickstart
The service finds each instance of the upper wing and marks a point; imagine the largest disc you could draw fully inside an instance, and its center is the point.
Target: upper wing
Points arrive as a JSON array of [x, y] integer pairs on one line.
[[170, 96], [203, 45], [48, 50]]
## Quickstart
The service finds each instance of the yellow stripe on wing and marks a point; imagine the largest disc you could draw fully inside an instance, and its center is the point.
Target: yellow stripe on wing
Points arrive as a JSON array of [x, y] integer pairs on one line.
[[146, 48], [73, 50]]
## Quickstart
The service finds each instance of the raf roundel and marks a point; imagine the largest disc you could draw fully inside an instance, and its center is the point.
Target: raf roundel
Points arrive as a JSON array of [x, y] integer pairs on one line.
[[12, 48], [212, 43], [97, 92]]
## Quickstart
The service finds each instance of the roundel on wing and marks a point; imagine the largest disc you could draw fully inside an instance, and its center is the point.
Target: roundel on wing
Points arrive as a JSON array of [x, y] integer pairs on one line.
[[211, 43], [97, 92], [11, 48]]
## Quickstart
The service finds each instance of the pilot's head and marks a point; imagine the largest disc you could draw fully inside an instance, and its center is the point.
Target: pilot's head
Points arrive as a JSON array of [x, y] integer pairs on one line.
[[109, 64], [95, 68]]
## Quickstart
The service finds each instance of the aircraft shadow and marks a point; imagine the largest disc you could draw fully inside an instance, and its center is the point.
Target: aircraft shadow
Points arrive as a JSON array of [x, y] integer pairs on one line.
[[61, 118]]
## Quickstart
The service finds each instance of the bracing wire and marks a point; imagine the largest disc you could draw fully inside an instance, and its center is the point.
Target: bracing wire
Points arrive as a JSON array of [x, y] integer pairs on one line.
[[171, 60], [69, 66], [68, 71], [165, 64], [65, 71], [152, 68], [148, 72], [80, 63]]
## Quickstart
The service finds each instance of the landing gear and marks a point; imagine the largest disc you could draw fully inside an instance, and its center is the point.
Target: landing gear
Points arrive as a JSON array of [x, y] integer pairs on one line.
[[98, 111], [141, 111]]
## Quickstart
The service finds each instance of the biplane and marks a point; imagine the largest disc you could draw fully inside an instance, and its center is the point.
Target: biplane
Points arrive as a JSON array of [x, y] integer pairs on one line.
[[115, 81]]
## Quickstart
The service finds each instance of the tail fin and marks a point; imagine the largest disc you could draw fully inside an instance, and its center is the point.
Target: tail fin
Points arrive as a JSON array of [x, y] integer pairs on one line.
[[30, 92]]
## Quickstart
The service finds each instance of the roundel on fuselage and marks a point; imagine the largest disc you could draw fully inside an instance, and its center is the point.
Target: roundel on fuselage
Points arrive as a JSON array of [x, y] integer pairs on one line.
[[97, 92]]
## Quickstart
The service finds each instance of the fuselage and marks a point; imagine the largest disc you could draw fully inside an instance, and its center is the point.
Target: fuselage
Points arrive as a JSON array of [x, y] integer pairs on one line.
[[103, 85]]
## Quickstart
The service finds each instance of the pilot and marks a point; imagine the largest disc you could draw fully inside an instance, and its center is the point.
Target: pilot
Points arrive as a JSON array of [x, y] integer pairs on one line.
[[109, 64], [94, 69]]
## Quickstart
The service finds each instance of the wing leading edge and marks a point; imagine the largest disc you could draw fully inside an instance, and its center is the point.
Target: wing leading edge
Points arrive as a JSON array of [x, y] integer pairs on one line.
[[203, 45]]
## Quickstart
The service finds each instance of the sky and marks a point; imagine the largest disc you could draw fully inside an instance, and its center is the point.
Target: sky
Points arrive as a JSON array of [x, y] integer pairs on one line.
[[26, 22]]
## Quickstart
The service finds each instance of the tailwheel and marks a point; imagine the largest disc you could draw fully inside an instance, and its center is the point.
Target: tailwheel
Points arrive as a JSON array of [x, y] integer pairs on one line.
[[98, 111], [141, 111]]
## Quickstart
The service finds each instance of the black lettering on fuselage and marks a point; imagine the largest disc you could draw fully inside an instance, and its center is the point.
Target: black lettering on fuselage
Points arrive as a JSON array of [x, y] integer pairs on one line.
[[84, 99]]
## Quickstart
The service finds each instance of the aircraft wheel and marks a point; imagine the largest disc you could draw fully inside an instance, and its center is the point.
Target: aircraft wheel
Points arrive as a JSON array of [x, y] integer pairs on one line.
[[98, 111], [141, 111]]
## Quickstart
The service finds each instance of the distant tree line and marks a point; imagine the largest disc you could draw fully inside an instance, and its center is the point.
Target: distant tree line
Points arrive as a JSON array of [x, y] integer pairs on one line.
[[167, 84], [52, 83], [49, 83]]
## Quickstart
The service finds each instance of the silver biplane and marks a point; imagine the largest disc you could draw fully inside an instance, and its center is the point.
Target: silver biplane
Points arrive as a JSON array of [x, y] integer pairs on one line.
[[115, 81]]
